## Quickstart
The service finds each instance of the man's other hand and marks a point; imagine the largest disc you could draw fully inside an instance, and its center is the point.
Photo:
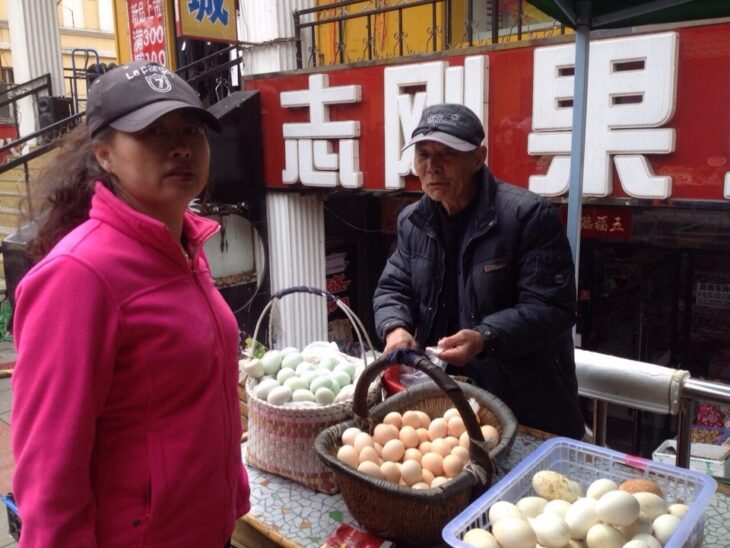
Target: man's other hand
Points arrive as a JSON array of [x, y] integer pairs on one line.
[[461, 347], [399, 338]]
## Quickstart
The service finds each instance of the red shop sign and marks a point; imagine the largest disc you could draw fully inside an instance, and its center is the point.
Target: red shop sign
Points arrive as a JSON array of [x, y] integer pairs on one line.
[[147, 30], [342, 126]]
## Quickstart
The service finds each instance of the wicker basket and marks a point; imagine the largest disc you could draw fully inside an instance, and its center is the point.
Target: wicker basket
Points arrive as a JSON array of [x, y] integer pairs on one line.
[[405, 515], [281, 439]]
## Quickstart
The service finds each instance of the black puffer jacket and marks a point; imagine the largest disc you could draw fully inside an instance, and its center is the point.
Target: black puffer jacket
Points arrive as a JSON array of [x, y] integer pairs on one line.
[[517, 283]]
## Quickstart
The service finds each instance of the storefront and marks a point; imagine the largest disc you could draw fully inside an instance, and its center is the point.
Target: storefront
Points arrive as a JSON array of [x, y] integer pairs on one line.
[[654, 283]]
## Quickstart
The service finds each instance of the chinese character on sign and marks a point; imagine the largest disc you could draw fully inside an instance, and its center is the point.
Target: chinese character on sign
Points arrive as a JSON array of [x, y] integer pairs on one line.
[[617, 226], [211, 9], [601, 224], [586, 222], [632, 85], [308, 149], [465, 85]]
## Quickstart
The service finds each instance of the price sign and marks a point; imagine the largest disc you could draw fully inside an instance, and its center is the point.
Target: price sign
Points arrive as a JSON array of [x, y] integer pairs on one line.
[[147, 30]]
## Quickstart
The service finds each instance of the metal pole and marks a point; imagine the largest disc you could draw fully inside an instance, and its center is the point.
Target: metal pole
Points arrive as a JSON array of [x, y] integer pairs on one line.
[[470, 22], [298, 34], [578, 137], [600, 415]]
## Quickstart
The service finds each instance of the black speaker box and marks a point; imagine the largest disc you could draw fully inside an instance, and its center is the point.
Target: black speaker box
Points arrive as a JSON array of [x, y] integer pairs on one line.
[[236, 153], [52, 110]]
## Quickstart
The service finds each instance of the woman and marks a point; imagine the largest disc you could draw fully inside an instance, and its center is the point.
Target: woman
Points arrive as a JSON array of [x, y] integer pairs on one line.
[[126, 424]]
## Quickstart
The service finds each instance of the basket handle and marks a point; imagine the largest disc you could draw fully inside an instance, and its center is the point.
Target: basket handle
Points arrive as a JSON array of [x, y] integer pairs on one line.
[[478, 451], [358, 327]]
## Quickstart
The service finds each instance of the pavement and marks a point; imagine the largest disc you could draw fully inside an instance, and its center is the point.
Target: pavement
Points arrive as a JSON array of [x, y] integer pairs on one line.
[[7, 465]]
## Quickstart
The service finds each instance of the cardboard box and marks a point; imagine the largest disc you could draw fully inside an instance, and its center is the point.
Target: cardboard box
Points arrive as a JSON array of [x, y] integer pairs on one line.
[[713, 460]]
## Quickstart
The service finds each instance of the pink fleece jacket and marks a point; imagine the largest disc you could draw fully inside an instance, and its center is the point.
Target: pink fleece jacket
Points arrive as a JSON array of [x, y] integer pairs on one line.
[[126, 422]]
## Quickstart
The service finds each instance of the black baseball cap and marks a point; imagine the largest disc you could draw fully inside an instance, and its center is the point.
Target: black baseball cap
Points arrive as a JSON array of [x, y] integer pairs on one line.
[[453, 125], [130, 97]]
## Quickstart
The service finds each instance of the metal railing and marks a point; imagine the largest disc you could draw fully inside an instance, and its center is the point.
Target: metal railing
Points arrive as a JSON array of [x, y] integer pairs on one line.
[[493, 14], [15, 92]]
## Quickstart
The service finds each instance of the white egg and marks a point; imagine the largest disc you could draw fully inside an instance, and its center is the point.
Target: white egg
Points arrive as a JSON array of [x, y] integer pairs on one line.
[[581, 516], [272, 361], [636, 544], [291, 359], [512, 532], [304, 366], [651, 505], [600, 487], [503, 509], [602, 535], [557, 506], [345, 393], [664, 527], [679, 510], [252, 366], [551, 530], [530, 507], [324, 395], [284, 374], [264, 387], [480, 538], [301, 395], [647, 539], [279, 395], [294, 384], [618, 508], [641, 525]]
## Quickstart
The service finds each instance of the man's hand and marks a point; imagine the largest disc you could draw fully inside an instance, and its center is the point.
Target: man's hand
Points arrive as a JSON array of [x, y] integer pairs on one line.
[[460, 347], [399, 338]]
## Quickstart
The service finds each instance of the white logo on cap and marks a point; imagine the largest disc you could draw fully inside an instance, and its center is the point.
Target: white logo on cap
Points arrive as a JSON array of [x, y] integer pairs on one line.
[[159, 82], [448, 119]]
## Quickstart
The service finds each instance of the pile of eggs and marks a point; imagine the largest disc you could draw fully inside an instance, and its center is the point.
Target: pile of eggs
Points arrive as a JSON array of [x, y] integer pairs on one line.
[[411, 449], [633, 514], [303, 379]]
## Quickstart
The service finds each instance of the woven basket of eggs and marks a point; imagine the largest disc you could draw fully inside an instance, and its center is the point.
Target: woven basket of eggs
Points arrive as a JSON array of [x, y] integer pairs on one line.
[[407, 466]]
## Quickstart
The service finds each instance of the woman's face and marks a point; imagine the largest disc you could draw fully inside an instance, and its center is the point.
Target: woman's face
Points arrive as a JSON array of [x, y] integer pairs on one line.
[[160, 168]]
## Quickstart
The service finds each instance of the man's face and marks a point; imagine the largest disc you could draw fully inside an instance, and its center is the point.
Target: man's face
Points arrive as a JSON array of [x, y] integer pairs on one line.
[[447, 175]]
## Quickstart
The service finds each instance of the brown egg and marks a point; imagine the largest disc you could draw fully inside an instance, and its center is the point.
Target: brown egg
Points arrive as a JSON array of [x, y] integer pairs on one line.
[[384, 432], [438, 428], [393, 418], [393, 450], [369, 453], [411, 472], [462, 453], [409, 437], [371, 469], [391, 471], [348, 436], [411, 418], [422, 434], [426, 475], [451, 412], [424, 447], [362, 439], [439, 481], [452, 441], [456, 426], [452, 465], [413, 454], [434, 463], [491, 436], [425, 419], [464, 440], [348, 454], [378, 448], [441, 446], [638, 485]]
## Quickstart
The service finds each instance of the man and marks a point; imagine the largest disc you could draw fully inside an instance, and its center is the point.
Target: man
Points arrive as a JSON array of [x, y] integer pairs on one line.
[[483, 269]]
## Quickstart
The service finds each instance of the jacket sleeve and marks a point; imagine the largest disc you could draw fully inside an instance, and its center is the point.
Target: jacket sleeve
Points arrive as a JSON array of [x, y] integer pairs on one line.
[[65, 332], [393, 301], [545, 309]]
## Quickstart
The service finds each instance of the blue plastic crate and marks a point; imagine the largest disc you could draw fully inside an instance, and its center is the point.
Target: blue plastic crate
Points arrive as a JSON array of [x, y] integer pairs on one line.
[[586, 463]]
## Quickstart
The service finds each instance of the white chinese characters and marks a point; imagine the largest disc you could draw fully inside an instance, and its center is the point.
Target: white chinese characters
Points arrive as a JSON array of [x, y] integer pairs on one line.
[[465, 85], [632, 86], [308, 147]]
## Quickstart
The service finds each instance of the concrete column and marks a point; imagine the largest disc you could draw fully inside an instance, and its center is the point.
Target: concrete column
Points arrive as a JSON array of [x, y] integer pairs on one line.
[[297, 257], [296, 223], [35, 41]]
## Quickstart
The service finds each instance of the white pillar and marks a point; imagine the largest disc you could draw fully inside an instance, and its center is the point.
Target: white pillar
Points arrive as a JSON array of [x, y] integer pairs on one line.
[[35, 41], [296, 244], [296, 223]]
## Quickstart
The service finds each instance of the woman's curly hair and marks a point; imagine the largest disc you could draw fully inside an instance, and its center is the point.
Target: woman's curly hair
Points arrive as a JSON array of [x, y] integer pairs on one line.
[[61, 195]]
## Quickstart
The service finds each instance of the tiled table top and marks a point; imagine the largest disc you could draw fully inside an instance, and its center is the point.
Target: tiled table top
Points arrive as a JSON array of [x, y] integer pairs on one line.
[[306, 518]]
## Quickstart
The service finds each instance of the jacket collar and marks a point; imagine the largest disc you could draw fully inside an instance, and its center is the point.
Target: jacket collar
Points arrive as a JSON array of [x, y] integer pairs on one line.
[[107, 208], [424, 214]]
